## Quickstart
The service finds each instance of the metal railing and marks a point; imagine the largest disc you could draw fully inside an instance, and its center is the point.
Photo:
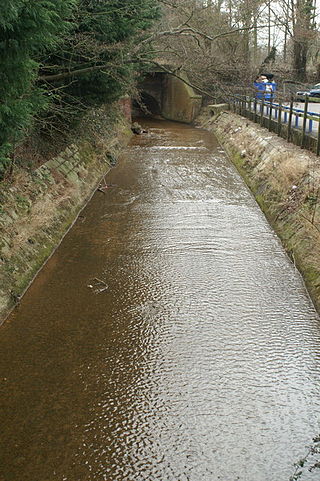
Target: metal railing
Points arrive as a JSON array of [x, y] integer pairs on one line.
[[299, 126]]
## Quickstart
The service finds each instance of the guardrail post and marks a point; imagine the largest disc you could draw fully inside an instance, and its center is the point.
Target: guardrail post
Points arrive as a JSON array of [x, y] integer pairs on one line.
[[262, 111], [279, 118], [318, 140], [305, 113], [270, 116], [255, 110], [290, 120]]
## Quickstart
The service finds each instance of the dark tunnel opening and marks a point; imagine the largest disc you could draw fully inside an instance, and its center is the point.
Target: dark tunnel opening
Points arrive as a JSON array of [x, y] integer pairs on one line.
[[146, 106]]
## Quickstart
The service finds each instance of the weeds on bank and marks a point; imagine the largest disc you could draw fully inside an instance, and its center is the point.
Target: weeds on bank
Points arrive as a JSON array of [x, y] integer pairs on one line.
[[310, 462]]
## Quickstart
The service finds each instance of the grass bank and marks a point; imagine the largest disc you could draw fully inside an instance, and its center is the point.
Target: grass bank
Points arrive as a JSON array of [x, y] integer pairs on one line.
[[285, 182]]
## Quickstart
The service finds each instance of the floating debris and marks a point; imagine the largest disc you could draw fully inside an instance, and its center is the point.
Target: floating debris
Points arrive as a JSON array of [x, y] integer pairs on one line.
[[98, 285]]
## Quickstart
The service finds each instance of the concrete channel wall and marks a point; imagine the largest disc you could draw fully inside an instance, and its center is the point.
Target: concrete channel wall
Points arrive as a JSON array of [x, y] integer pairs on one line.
[[38, 207], [285, 181], [180, 102]]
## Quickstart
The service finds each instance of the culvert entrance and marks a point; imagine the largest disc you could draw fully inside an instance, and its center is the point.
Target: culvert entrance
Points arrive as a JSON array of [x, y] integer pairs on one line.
[[146, 106]]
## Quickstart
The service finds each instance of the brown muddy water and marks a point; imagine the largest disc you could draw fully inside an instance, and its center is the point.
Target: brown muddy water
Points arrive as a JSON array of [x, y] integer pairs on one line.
[[169, 338]]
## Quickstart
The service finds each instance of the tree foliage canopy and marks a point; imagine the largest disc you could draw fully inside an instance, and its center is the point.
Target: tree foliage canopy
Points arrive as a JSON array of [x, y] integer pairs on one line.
[[27, 30], [60, 56]]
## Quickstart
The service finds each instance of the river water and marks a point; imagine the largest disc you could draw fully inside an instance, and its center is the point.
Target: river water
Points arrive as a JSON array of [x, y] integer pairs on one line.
[[169, 338]]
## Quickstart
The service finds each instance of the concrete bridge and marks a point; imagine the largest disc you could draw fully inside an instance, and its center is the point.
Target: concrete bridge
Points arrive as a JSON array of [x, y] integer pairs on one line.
[[163, 94]]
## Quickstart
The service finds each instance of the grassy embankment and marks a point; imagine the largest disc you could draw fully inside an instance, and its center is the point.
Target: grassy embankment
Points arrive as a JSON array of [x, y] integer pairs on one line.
[[285, 182]]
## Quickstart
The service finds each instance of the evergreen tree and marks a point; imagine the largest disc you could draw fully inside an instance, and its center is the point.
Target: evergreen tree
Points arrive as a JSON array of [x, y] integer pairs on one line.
[[65, 56], [27, 30]]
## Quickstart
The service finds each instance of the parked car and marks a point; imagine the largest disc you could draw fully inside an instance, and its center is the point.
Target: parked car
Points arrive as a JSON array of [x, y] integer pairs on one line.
[[311, 92], [315, 91]]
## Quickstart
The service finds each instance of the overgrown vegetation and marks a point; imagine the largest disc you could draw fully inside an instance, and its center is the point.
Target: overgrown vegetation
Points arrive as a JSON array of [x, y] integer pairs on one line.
[[59, 57], [310, 462], [27, 31]]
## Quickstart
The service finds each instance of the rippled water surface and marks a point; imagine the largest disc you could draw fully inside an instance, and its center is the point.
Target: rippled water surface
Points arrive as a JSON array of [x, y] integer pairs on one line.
[[169, 338]]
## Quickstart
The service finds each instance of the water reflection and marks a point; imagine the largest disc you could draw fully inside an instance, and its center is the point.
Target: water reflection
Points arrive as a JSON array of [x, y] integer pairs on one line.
[[200, 361]]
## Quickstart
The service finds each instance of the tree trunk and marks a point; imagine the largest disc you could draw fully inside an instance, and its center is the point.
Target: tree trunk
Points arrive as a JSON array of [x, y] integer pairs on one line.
[[302, 33], [300, 50]]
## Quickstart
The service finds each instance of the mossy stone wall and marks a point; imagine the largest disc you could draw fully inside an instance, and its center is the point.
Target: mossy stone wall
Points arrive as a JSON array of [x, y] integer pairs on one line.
[[37, 207]]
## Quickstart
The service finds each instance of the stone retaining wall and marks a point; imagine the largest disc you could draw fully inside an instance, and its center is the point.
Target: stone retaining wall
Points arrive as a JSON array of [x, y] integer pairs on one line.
[[37, 207]]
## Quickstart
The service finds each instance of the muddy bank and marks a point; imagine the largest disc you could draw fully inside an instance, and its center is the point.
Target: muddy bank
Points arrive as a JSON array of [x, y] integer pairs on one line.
[[38, 206], [285, 182]]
